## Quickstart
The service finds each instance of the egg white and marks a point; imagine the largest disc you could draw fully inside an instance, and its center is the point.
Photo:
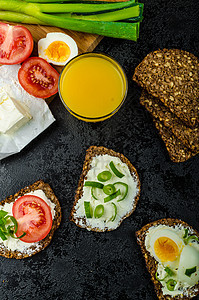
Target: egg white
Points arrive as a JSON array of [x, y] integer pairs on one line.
[[51, 37], [189, 258], [164, 231]]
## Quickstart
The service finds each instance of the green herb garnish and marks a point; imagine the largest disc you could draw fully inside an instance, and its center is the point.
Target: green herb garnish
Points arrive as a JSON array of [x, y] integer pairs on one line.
[[104, 176], [115, 214], [188, 272], [109, 189], [171, 283], [162, 279], [111, 197], [115, 170], [185, 233], [88, 209], [169, 271], [94, 184], [6, 229], [99, 211], [123, 188]]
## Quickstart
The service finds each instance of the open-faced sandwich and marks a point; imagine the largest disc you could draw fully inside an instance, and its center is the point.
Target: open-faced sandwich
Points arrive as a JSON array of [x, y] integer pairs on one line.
[[107, 192], [28, 221], [171, 251]]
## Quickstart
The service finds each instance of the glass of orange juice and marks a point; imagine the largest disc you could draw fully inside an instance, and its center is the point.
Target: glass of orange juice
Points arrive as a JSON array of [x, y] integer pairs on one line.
[[93, 86]]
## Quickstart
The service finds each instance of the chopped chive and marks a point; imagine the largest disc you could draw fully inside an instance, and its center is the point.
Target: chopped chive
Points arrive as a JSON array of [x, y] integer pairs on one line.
[[169, 271], [185, 233], [111, 197], [123, 188], [99, 211], [3, 213], [115, 208], [171, 283], [104, 176], [190, 271], [2, 235], [88, 209], [109, 189], [94, 184], [115, 170]]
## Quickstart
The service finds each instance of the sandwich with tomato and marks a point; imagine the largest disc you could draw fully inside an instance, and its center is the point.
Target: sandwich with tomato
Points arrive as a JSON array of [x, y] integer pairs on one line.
[[28, 221]]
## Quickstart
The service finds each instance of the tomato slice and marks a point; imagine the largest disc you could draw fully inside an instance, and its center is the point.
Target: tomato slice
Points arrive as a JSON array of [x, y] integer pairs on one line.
[[33, 216], [38, 78], [16, 44]]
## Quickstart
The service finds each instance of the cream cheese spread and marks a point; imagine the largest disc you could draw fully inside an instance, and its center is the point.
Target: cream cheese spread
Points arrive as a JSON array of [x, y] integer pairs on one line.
[[15, 244], [13, 114], [187, 258], [99, 164]]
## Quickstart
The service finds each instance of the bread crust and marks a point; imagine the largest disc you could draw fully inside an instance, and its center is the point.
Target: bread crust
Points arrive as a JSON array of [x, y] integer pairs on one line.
[[45, 187], [91, 152], [172, 76], [187, 135], [151, 263]]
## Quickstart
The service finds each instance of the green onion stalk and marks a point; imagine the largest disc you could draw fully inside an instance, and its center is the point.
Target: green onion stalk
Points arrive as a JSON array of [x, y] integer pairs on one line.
[[34, 11]]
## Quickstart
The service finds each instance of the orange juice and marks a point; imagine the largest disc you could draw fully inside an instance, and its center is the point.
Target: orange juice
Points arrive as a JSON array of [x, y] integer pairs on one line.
[[92, 87]]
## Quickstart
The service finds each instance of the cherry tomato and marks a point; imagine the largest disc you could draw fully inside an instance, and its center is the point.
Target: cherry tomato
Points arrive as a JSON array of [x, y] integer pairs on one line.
[[33, 216], [38, 78], [16, 44]]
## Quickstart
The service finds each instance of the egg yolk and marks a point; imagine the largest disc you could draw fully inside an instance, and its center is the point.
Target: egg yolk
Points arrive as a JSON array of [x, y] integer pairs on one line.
[[58, 51], [166, 249]]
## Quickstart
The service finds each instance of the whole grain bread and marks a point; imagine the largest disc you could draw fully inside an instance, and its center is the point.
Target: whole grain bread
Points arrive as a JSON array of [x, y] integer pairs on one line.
[[90, 153], [38, 185], [178, 152], [172, 76], [187, 135], [151, 263]]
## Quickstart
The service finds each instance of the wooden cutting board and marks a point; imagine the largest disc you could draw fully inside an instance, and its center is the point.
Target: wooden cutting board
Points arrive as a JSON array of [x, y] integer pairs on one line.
[[86, 42]]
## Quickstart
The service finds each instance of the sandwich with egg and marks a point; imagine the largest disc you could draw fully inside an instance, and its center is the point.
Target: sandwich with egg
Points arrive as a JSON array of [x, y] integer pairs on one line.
[[108, 190], [171, 251], [28, 220]]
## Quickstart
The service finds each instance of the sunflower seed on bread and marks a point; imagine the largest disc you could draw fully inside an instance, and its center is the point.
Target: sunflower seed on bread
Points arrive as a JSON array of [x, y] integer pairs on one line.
[[98, 159], [178, 152], [33, 248], [172, 76], [146, 239], [187, 135]]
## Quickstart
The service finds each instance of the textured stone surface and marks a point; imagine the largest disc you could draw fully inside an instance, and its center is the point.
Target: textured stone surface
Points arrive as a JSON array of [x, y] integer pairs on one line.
[[81, 265]]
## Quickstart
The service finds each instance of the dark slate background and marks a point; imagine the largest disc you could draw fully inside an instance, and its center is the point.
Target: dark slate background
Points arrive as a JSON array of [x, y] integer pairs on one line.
[[82, 265]]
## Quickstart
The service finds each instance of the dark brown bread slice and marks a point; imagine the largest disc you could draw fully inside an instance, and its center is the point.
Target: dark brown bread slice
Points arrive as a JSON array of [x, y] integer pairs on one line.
[[172, 76], [38, 185], [151, 263], [178, 152], [91, 152], [188, 136]]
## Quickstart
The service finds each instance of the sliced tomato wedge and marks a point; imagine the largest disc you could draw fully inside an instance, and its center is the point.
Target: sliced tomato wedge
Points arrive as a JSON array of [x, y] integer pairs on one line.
[[38, 77], [33, 216], [16, 44]]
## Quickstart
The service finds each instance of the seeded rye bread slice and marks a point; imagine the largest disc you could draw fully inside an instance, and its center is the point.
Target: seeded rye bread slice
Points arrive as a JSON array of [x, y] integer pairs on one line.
[[151, 263], [178, 152], [38, 185], [188, 136], [90, 153], [172, 76]]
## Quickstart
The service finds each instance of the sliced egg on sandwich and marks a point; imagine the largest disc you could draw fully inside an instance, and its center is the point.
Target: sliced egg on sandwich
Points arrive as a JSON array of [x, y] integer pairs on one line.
[[165, 245], [57, 48], [177, 257]]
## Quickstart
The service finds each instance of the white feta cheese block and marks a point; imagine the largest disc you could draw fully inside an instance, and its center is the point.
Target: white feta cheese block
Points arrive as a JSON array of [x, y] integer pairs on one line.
[[13, 114]]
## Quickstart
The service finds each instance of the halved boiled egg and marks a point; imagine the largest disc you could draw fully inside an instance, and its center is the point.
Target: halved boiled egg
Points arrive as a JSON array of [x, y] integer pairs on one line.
[[57, 48], [189, 260], [164, 244]]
